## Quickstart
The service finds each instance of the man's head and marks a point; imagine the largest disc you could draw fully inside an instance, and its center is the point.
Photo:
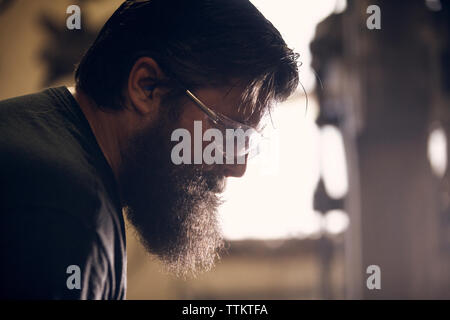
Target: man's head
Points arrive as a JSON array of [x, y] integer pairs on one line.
[[145, 58]]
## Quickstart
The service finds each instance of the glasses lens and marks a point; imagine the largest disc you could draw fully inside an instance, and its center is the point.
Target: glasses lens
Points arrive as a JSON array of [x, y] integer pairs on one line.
[[240, 142]]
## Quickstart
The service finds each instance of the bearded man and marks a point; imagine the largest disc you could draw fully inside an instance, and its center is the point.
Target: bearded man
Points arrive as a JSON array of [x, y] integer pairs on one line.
[[74, 160]]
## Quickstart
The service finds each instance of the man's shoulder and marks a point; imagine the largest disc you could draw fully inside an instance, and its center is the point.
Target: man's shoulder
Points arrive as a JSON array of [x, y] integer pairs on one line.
[[47, 180], [42, 163], [55, 205], [15, 109]]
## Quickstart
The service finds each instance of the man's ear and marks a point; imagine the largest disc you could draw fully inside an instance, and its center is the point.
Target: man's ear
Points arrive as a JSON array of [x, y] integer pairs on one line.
[[144, 94]]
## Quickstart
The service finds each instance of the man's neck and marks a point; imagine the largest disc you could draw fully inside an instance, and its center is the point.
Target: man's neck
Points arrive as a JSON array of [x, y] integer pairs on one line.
[[105, 127]]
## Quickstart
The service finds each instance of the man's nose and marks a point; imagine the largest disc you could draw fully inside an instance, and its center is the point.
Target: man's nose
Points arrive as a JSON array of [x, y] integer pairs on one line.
[[235, 170]]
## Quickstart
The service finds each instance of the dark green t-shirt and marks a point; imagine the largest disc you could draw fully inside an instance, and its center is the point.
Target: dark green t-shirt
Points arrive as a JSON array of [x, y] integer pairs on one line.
[[62, 229]]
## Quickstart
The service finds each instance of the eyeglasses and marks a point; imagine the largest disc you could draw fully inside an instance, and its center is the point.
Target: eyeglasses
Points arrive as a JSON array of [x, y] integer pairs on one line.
[[245, 139]]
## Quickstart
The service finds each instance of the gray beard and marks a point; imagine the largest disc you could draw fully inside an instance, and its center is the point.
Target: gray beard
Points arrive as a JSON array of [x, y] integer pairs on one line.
[[173, 208]]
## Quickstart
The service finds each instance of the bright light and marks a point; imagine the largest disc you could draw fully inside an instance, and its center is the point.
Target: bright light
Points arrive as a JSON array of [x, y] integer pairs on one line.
[[434, 5], [336, 222], [334, 168], [437, 151], [312, 225], [341, 5], [277, 204]]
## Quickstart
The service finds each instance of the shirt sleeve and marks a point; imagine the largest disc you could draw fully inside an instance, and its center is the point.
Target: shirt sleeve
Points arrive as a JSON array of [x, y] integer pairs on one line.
[[48, 253]]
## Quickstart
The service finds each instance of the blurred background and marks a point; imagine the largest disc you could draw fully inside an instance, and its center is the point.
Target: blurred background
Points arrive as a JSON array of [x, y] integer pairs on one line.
[[356, 171]]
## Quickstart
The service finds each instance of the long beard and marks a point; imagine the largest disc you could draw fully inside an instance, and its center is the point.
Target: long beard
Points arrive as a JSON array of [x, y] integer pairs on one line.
[[173, 208]]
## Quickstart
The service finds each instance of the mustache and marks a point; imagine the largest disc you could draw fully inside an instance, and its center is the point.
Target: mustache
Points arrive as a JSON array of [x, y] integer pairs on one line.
[[212, 181], [216, 183], [219, 185]]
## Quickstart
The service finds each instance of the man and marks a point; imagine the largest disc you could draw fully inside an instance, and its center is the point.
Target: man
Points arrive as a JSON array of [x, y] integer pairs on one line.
[[71, 160]]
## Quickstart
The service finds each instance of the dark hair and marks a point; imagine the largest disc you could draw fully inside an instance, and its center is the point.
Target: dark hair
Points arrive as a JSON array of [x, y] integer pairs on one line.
[[197, 42]]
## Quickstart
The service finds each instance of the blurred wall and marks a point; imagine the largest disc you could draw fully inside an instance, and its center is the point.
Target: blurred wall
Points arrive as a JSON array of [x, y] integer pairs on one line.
[[387, 89]]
